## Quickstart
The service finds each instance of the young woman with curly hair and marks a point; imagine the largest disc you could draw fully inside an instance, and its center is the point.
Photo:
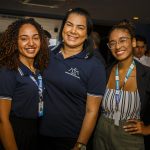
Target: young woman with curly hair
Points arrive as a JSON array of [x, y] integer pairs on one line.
[[23, 56], [125, 117]]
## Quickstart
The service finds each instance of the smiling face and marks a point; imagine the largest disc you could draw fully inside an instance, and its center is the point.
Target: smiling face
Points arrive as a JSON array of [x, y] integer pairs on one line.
[[75, 31], [121, 43], [28, 42]]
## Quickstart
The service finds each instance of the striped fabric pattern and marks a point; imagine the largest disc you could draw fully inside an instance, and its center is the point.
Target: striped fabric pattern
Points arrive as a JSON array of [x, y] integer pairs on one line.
[[129, 105]]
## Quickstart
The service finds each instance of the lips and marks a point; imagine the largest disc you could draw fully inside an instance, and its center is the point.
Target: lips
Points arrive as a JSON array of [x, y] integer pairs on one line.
[[30, 50], [72, 38], [121, 52]]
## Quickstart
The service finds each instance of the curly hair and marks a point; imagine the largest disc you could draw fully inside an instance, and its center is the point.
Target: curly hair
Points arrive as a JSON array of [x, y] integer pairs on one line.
[[125, 25], [9, 53]]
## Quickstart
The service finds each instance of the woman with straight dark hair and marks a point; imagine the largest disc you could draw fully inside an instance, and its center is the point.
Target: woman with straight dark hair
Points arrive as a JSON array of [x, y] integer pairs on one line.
[[75, 84]]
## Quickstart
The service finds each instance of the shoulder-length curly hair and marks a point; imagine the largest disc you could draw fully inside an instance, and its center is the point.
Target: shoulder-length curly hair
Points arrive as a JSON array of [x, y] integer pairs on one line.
[[9, 53]]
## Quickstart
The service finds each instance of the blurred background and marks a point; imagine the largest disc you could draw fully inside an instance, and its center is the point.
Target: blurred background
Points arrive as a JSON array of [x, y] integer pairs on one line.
[[49, 13]]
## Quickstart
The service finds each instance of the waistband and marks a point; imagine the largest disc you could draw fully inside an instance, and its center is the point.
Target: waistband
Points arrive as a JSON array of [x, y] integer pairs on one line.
[[111, 121]]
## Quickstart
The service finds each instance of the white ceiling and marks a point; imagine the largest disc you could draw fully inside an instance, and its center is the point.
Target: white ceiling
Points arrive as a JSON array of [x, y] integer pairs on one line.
[[104, 12]]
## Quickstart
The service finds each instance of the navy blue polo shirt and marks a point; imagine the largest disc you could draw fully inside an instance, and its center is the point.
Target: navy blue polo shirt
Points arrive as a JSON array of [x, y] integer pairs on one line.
[[21, 90], [68, 82]]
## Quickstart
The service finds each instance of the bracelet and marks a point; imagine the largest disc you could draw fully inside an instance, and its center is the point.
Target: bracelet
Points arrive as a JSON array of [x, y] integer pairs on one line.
[[80, 145]]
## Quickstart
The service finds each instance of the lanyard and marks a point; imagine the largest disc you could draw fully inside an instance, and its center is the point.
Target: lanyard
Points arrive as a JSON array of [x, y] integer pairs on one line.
[[117, 91], [38, 82]]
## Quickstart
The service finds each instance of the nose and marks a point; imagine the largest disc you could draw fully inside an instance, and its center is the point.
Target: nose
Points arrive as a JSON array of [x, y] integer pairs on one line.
[[73, 29], [30, 42], [118, 45]]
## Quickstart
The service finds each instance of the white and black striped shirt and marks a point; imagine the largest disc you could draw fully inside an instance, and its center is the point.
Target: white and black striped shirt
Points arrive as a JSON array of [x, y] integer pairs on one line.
[[129, 105]]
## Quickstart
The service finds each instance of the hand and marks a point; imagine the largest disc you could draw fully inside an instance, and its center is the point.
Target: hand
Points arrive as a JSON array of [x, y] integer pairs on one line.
[[135, 127]]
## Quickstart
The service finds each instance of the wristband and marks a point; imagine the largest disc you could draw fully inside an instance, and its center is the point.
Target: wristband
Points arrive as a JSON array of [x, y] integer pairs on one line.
[[80, 146]]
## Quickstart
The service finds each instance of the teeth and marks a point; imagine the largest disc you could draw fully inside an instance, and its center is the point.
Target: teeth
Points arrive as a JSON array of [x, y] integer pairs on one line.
[[29, 49], [71, 37], [120, 52]]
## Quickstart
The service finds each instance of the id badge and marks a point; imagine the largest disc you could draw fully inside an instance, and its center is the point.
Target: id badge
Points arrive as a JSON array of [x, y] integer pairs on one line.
[[116, 118], [40, 109]]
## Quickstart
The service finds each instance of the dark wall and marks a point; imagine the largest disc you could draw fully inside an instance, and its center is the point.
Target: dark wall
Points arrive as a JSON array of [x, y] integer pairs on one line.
[[144, 30], [103, 32]]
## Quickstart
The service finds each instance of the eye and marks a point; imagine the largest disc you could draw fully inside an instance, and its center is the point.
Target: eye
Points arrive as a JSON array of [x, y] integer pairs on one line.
[[139, 46], [111, 44], [81, 28], [68, 24], [122, 40], [36, 38], [23, 39]]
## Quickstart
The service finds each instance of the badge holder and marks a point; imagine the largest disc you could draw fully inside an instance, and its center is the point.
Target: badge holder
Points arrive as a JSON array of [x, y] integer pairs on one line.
[[40, 109], [116, 118]]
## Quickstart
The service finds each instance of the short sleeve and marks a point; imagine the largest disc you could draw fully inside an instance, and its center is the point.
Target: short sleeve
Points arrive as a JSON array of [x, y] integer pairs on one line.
[[97, 80], [7, 83]]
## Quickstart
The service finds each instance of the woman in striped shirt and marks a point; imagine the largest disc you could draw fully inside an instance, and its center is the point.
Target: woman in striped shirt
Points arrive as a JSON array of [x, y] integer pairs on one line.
[[125, 117]]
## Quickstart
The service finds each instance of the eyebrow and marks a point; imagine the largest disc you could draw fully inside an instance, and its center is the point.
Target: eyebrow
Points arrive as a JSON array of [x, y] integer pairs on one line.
[[119, 38], [80, 25], [27, 35], [112, 41]]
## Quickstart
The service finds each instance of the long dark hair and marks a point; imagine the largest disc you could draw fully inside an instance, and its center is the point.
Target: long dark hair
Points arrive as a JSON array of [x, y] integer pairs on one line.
[[9, 53], [88, 44]]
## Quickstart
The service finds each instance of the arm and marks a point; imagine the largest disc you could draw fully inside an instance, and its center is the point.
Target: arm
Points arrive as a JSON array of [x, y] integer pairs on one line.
[[136, 126], [92, 110], [6, 132]]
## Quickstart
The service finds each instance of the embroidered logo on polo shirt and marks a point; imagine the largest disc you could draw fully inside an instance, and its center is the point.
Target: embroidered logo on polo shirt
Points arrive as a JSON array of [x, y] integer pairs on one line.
[[73, 72]]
